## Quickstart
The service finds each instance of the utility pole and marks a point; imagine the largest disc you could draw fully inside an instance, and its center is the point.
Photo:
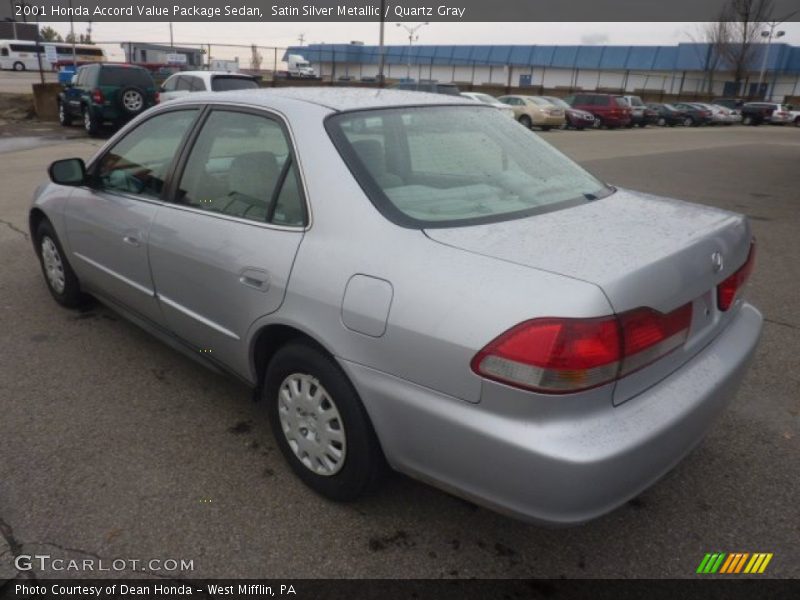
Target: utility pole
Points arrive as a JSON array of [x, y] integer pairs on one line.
[[13, 20], [381, 48], [72, 34], [171, 44], [412, 37], [302, 38]]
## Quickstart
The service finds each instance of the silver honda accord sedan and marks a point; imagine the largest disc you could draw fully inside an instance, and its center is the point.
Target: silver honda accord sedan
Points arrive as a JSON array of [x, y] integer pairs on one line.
[[414, 280]]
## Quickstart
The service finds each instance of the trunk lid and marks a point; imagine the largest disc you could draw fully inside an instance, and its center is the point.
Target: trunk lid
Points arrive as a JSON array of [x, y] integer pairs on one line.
[[641, 250]]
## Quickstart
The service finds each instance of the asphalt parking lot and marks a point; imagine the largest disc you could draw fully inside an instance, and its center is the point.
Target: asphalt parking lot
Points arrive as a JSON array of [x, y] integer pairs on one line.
[[114, 446]]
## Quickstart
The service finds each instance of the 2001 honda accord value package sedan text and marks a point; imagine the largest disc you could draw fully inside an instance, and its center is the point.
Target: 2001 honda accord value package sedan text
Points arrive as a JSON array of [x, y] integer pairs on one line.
[[414, 279]]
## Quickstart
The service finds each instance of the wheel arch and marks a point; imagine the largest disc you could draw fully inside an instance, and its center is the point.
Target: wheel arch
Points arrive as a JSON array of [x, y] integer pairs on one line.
[[35, 218], [269, 339]]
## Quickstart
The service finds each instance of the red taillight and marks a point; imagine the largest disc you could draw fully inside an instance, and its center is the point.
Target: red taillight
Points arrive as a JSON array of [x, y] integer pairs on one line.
[[727, 290], [158, 97], [97, 96], [560, 355]]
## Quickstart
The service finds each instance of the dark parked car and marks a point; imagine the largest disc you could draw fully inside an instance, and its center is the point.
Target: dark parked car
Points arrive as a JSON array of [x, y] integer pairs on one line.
[[428, 86], [608, 110], [576, 118], [106, 93], [666, 114], [694, 114], [757, 113]]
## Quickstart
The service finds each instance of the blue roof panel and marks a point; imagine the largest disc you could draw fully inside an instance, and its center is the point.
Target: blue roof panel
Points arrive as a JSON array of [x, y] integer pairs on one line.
[[683, 57]]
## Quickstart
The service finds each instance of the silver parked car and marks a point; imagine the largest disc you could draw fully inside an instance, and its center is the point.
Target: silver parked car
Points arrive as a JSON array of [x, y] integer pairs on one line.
[[414, 279]]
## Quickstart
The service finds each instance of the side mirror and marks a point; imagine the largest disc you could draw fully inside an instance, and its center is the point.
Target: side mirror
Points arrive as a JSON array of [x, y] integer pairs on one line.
[[70, 171]]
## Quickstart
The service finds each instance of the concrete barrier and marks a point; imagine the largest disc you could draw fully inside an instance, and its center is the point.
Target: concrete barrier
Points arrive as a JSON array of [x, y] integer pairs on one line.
[[44, 100]]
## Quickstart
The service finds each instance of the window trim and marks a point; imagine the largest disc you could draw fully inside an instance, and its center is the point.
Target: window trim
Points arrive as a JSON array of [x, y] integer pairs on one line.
[[179, 167]]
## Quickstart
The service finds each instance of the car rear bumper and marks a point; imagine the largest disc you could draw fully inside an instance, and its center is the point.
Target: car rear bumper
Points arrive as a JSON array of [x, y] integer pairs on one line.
[[564, 468]]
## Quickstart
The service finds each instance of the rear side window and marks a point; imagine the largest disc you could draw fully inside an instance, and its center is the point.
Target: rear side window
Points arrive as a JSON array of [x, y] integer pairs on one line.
[[124, 76], [619, 101], [448, 166], [222, 83], [241, 165]]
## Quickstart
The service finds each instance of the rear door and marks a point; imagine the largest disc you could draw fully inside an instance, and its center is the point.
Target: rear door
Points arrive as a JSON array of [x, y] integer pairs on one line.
[[222, 251]]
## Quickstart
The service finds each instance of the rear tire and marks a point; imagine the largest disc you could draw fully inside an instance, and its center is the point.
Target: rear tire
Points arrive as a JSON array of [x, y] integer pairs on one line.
[[90, 124], [64, 118], [662, 122], [58, 274], [688, 122], [320, 424], [747, 120]]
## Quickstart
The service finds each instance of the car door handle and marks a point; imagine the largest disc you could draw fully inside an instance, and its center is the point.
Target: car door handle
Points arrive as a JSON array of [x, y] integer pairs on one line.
[[132, 240], [255, 278]]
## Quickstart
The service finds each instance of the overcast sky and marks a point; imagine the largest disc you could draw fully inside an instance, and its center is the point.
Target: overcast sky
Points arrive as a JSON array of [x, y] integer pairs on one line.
[[284, 34]]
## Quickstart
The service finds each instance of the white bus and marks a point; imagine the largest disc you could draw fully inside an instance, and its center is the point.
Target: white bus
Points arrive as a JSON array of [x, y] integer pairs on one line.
[[21, 55]]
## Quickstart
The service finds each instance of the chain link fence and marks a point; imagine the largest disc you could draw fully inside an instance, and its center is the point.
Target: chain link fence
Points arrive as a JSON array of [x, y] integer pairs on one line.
[[339, 67]]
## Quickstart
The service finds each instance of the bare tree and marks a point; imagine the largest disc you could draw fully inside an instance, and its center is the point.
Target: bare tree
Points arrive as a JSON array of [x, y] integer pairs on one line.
[[710, 40], [738, 33]]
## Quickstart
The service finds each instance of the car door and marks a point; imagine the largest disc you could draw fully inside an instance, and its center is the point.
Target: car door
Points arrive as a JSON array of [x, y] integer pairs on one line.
[[108, 222], [221, 253]]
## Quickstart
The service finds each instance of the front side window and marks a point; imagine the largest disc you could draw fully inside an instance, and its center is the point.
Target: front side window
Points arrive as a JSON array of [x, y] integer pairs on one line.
[[3, 51], [241, 165], [170, 84], [450, 166], [139, 162]]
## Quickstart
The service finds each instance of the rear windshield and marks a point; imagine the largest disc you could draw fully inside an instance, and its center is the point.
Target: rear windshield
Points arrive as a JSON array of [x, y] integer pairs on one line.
[[442, 166], [223, 83], [122, 76]]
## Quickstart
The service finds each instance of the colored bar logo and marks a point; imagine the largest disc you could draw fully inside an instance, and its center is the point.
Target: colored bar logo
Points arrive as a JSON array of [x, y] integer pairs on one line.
[[734, 563]]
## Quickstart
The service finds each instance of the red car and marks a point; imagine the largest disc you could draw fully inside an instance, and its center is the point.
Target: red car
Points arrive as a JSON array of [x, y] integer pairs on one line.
[[608, 110]]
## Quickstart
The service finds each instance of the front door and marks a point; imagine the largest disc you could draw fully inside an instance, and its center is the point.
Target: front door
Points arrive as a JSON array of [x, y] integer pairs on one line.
[[109, 222]]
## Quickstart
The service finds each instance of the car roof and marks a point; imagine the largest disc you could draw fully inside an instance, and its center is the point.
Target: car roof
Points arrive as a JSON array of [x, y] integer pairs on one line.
[[210, 73], [334, 98]]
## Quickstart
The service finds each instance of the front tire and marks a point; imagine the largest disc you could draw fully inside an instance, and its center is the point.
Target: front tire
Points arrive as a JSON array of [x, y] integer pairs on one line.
[[662, 122], [320, 425], [58, 274], [18, 66], [688, 122], [525, 120]]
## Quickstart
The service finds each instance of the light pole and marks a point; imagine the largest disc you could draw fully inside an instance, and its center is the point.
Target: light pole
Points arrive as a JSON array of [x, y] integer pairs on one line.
[[412, 37], [769, 35], [72, 34]]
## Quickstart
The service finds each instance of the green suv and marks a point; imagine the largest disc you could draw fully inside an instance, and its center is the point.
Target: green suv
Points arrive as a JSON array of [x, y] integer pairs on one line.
[[105, 93]]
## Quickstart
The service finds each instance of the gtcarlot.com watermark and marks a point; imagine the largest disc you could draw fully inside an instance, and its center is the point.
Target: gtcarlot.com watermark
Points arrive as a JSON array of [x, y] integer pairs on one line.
[[44, 562]]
